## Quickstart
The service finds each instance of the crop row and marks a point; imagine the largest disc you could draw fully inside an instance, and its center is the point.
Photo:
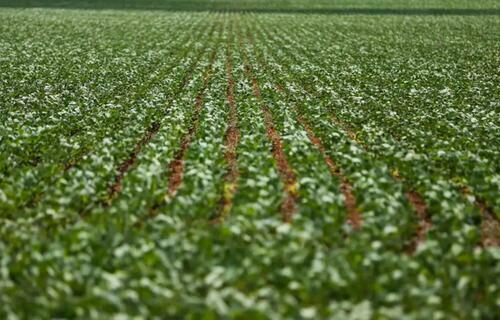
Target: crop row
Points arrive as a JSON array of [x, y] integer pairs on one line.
[[248, 166]]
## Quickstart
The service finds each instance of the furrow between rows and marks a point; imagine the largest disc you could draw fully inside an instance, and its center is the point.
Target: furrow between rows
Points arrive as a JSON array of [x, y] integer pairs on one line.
[[490, 225], [354, 217], [231, 143], [128, 164], [142, 90], [413, 197]]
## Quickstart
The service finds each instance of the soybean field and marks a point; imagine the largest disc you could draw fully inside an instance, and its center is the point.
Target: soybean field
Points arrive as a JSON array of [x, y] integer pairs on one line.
[[162, 159]]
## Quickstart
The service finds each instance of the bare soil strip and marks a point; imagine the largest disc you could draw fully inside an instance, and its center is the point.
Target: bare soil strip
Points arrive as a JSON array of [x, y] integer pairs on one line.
[[354, 217], [289, 205], [177, 164], [490, 228], [125, 166], [415, 199], [115, 188], [232, 139], [424, 223]]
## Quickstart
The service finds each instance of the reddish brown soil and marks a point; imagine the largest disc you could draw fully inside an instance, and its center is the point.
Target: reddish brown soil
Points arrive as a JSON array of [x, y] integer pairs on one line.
[[490, 226], [424, 224], [288, 206], [232, 139], [415, 199], [354, 217], [177, 164], [115, 188], [418, 204]]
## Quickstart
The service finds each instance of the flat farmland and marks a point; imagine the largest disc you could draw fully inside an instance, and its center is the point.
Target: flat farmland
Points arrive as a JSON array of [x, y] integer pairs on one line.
[[250, 160]]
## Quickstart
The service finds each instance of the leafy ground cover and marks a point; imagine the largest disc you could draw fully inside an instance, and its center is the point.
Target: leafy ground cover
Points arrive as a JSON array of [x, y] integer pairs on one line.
[[251, 165]]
